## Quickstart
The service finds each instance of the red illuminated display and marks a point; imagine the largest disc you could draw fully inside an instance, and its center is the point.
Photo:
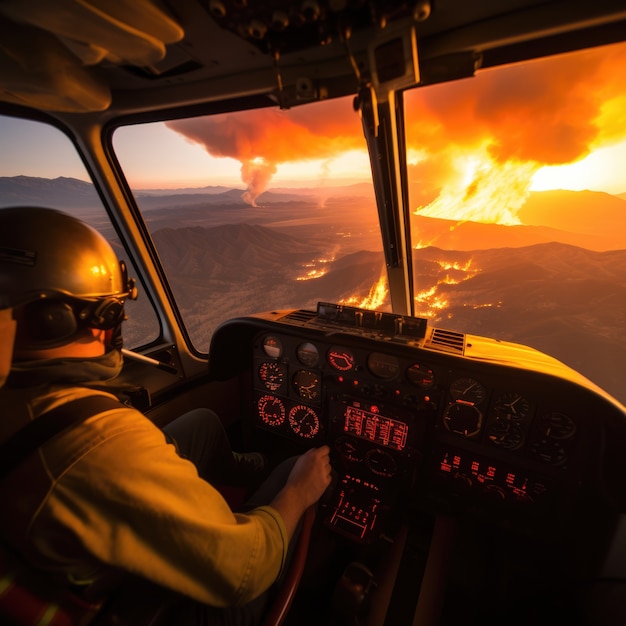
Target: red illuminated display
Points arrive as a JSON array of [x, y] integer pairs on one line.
[[376, 428], [483, 474]]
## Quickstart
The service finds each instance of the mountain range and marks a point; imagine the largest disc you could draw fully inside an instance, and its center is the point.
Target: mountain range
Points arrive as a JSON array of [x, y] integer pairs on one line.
[[541, 295], [589, 219], [560, 290]]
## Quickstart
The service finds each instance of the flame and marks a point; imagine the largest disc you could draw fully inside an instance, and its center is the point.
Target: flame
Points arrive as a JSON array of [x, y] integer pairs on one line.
[[375, 299], [455, 265], [429, 302], [316, 272], [482, 190], [476, 146]]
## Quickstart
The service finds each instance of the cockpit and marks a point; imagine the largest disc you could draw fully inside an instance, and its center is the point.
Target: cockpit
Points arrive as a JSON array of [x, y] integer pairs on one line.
[[427, 426], [393, 228]]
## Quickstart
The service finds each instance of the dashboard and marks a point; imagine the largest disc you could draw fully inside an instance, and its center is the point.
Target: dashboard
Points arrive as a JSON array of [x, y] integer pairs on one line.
[[422, 418]]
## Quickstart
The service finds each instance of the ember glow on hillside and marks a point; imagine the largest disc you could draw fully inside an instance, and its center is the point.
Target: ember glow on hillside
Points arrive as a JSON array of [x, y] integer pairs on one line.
[[375, 299]]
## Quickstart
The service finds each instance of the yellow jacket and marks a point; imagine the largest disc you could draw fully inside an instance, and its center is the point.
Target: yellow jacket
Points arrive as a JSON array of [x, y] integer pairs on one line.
[[112, 491]]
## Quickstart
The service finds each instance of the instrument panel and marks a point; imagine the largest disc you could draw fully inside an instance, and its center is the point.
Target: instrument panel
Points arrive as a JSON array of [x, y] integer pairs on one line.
[[411, 426]]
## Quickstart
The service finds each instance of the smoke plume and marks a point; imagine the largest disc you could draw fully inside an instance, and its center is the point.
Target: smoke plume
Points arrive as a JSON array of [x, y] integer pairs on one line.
[[469, 139], [263, 139]]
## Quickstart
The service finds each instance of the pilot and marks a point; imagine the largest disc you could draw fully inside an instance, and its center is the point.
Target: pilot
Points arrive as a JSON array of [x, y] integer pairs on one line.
[[111, 493]]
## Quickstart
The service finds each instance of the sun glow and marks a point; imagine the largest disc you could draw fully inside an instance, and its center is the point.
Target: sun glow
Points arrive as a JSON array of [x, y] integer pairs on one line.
[[602, 169]]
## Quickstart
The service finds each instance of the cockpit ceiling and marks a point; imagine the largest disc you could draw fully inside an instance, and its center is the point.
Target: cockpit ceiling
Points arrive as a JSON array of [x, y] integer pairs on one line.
[[133, 55]]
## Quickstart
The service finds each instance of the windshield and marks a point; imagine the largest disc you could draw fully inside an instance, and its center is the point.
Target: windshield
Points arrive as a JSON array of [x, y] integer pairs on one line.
[[517, 200], [518, 195], [259, 210], [39, 166]]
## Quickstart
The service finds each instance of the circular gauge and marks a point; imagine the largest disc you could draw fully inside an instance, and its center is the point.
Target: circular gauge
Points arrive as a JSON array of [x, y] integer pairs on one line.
[[549, 451], [308, 354], [467, 390], [420, 375], [272, 346], [511, 406], [507, 435], [271, 410], [304, 421], [383, 365], [272, 374], [556, 426], [307, 384], [341, 359], [381, 462], [463, 419], [347, 449]]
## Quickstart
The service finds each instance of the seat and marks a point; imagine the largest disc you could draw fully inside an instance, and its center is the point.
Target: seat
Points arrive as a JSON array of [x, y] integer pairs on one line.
[[277, 613], [24, 590], [130, 613]]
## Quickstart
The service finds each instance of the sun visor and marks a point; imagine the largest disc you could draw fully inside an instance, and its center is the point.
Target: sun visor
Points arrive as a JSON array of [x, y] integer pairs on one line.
[[50, 50], [37, 70]]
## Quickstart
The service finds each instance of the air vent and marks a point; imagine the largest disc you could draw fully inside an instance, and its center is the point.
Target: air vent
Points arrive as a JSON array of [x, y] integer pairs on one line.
[[299, 317], [447, 341]]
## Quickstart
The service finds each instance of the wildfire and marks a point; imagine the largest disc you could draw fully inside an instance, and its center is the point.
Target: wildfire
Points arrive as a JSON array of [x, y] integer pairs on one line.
[[487, 305], [374, 300], [482, 190], [423, 244], [315, 272], [455, 265], [429, 302]]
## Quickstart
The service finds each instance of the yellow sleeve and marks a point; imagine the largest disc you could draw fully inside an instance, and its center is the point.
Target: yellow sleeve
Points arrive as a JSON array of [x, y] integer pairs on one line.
[[130, 501]]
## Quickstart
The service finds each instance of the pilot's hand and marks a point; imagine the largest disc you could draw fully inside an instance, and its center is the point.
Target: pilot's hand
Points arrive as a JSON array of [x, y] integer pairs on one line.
[[311, 474]]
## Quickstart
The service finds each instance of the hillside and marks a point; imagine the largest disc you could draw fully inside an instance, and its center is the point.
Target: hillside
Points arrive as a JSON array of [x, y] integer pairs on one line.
[[540, 295], [537, 284]]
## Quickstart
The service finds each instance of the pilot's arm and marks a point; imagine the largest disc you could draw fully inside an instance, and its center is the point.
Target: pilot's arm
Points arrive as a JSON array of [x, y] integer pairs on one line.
[[120, 495]]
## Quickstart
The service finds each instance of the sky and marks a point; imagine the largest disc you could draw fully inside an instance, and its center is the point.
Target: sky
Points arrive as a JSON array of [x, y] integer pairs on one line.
[[557, 123]]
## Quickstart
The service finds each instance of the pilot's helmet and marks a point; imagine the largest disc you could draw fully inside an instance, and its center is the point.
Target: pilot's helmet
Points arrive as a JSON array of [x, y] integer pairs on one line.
[[61, 273]]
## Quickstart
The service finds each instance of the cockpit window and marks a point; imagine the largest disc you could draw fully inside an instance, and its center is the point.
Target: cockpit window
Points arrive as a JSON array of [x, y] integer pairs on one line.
[[258, 210], [39, 166], [518, 196]]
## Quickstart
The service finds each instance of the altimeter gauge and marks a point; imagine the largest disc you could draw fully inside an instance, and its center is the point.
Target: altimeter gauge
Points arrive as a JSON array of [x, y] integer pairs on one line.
[[468, 390], [307, 384], [304, 421], [272, 373], [508, 421], [271, 410], [511, 406], [556, 426], [463, 418]]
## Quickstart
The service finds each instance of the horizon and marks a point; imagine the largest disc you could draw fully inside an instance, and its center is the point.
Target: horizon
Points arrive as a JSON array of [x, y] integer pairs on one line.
[[301, 184]]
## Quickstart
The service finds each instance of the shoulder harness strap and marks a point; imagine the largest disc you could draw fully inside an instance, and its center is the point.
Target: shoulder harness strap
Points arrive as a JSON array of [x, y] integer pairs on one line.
[[26, 440]]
